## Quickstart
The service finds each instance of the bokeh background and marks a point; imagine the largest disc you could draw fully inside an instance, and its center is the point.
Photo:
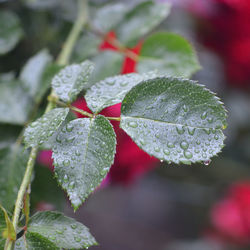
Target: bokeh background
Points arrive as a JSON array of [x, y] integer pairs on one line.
[[145, 204]]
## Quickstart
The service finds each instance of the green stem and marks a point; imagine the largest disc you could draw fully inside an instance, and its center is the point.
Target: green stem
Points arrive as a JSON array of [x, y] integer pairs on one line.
[[63, 59]]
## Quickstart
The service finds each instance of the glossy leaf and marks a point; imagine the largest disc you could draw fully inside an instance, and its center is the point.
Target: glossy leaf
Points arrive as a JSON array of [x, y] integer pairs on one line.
[[170, 54], [83, 153], [10, 31], [32, 72], [141, 20], [15, 102], [174, 120], [71, 80], [43, 128], [13, 161], [56, 231], [112, 90], [104, 69]]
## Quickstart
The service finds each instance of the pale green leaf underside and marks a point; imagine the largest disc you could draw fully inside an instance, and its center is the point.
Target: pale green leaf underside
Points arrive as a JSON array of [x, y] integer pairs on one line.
[[112, 90], [170, 54], [44, 128], [10, 31], [13, 110], [71, 80], [13, 162], [83, 153], [104, 69], [141, 20], [174, 120], [53, 230], [32, 72]]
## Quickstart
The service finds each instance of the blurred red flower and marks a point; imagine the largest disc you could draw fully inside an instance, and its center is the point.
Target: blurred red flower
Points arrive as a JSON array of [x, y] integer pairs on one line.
[[130, 161], [231, 215], [225, 28]]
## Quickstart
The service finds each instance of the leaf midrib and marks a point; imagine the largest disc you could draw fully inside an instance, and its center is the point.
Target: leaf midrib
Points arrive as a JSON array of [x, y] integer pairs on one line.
[[169, 123]]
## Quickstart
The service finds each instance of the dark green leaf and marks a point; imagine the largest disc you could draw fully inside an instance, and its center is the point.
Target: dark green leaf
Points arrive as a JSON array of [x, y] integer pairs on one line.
[[83, 154], [50, 193], [8, 134], [107, 63], [141, 20], [112, 90], [57, 231], [15, 102], [32, 72], [71, 80], [170, 54], [43, 128], [2, 228], [175, 120], [13, 162], [10, 31]]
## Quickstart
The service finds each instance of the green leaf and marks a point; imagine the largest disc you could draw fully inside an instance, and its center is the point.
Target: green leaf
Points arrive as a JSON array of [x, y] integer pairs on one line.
[[86, 46], [43, 128], [170, 54], [48, 74], [8, 134], [9, 232], [71, 80], [141, 20], [83, 154], [104, 69], [10, 31], [174, 120], [2, 228], [32, 72], [15, 103], [49, 193], [57, 231], [109, 16], [13, 162], [112, 90]]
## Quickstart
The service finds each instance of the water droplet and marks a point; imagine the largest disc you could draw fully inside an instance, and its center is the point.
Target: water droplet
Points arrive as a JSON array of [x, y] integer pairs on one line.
[[58, 139], [210, 119], [207, 130], [142, 142], [216, 137], [191, 130], [77, 239], [180, 129], [188, 154], [65, 178], [207, 162], [198, 142], [185, 108], [170, 145], [184, 145], [73, 226], [59, 231], [204, 115], [69, 127], [157, 136], [66, 163], [166, 152], [52, 237], [157, 149], [133, 124]]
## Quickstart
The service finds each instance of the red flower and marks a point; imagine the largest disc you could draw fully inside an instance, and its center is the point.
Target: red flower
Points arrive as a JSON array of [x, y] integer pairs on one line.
[[226, 30], [231, 216], [130, 161]]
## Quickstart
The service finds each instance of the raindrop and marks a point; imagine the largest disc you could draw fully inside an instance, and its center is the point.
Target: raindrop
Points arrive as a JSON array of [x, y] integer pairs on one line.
[[207, 162], [166, 152], [66, 163], [188, 154], [204, 115], [180, 129], [170, 145], [184, 145], [191, 130], [185, 108], [216, 137], [133, 124], [69, 127], [157, 149], [73, 226], [210, 119], [142, 141]]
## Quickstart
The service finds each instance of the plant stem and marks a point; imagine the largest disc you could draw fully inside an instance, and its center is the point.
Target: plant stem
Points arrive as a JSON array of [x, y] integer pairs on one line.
[[63, 59]]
